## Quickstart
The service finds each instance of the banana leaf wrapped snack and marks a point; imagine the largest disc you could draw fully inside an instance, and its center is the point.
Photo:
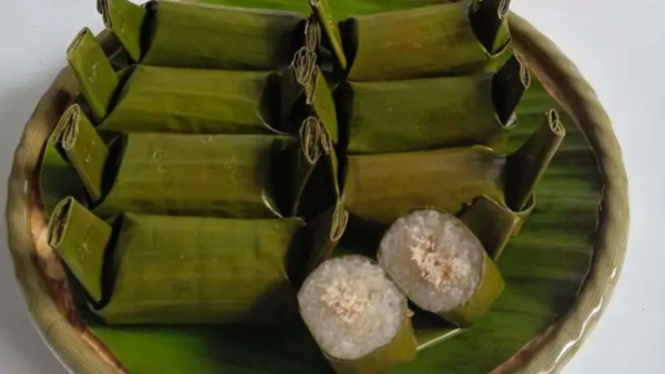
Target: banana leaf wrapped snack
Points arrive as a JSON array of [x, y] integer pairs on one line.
[[357, 316], [470, 36], [160, 269], [381, 188], [162, 99], [175, 34], [414, 115], [441, 266], [184, 174], [182, 100]]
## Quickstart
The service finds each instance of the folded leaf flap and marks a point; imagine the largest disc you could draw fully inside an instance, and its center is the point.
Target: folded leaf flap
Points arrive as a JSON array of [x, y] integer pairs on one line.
[[162, 99], [490, 288], [58, 179], [94, 72], [508, 86], [417, 43], [330, 28], [306, 93], [202, 175], [494, 224], [81, 239], [125, 19], [315, 164], [528, 165], [84, 148], [421, 114], [216, 37], [325, 232], [323, 106], [192, 270], [400, 351], [489, 19]]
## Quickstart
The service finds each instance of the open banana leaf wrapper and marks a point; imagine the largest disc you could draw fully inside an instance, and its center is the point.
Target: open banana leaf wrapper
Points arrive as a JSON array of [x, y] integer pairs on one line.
[[192, 172], [414, 115]]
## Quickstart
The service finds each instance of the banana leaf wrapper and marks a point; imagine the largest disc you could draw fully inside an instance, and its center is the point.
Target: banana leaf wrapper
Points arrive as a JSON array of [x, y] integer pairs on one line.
[[125, 20], [471, 36], [81, 239], [316, 169], [73, 162], [182, 270], [325, 232], [342, 8], [400, 351], [234, 176], [159, 99], [413, 115], [330, 28], [494, 224], [203, 36], [98, 81], [305, 93], [490, 288], [203, 270], [381, 188]]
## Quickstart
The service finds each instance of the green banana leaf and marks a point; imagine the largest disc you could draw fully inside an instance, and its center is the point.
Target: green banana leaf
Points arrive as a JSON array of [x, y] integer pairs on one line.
[[416, 43], [544, 267], [203, 270], [325, 232], [414, 115], [342, 9], [81, 239], [166, 270], [85, 149], [222, 175], [330, 26], [201, 36], [94, 72], [58, 178], [159, 99], [125, 20], [382, 188], [494, 224]]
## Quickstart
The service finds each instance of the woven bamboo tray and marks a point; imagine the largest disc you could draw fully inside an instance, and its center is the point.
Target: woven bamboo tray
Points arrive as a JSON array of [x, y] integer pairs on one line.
[[82, 354]]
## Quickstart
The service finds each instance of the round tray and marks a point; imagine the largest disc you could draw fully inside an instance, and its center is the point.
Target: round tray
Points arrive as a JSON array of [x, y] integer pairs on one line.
[[81, 353]]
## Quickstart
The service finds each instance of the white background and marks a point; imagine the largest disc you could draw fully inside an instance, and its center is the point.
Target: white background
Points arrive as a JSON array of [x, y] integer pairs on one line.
[[619, 45]]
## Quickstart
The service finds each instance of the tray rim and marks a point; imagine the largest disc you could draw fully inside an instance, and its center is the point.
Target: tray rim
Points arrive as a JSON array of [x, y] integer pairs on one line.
[[548, 353]]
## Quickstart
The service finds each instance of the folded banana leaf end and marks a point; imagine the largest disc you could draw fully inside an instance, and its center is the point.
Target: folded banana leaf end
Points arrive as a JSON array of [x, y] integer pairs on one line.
[[527, 166], [94, 72], [489, 19], [125, 19], [81, 239]]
